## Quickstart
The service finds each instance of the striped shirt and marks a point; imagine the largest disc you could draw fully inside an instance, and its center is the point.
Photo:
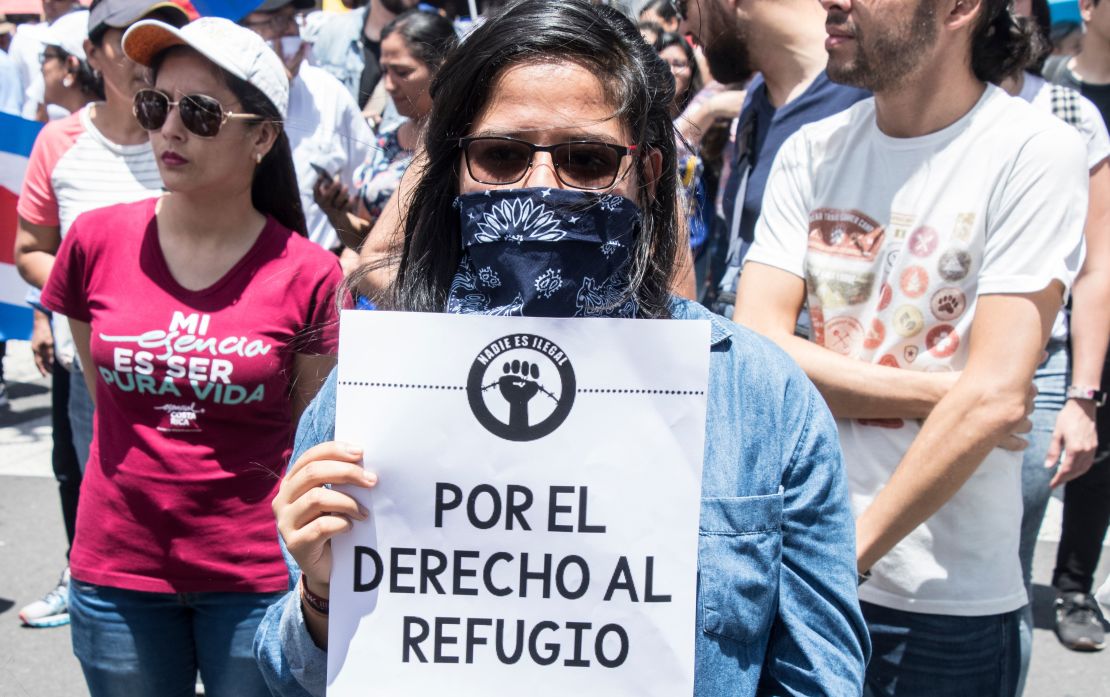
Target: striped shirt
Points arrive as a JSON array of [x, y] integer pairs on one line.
[[74, 168]]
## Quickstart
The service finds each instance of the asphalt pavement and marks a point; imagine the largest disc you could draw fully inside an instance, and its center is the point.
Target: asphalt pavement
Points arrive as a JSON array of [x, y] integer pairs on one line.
[[40, 662]]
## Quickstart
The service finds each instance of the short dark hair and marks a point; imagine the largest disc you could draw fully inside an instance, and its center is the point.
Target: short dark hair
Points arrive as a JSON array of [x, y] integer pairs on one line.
[[1001, 44], [664, 8], [428, 35], [597, 37], [274, 189]]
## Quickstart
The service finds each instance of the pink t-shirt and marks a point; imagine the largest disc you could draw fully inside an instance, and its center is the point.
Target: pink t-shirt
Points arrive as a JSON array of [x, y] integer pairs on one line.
[[193, 423]]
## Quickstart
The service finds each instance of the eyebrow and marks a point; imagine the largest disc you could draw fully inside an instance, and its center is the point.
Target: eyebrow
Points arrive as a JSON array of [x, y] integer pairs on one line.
[[572, 134]]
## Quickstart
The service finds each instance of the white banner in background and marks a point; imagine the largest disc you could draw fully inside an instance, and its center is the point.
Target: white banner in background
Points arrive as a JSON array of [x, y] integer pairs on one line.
[[535, 525]]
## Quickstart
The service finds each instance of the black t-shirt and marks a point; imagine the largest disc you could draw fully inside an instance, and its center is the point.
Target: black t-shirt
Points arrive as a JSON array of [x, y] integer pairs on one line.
[[371, 70]]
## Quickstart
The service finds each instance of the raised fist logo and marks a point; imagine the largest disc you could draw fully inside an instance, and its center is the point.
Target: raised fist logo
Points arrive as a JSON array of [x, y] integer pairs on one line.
[[521, 387], [518, 386]]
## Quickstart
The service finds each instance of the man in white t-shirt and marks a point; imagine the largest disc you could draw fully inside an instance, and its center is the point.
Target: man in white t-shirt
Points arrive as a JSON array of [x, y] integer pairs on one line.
[[327, 131], [934, 231]]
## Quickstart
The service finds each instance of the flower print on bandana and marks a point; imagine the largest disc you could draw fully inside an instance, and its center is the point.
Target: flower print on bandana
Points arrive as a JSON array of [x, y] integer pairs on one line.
[[489, 277], [548, 282], [518, 220], [545, 253]]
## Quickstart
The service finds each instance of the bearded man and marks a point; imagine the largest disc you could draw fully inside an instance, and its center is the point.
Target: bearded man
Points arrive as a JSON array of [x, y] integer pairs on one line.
[[782, 40], [933, 230]]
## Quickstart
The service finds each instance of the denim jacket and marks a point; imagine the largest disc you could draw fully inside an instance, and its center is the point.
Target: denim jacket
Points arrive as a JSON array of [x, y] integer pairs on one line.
[[777, 611]]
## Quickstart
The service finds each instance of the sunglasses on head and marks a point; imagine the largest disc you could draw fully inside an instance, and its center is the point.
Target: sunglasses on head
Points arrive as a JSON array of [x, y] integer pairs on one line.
[[200, 114], [586, 164]]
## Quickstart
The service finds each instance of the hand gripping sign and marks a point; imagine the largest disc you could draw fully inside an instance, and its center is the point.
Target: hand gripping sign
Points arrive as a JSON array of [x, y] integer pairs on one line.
[[535, 522]]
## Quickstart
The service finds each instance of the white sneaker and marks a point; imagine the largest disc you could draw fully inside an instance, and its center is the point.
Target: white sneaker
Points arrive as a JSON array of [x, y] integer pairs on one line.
[[52, 610]]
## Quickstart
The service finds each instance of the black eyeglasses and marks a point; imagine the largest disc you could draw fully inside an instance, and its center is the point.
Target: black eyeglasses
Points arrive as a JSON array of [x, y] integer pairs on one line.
[[584, 164], [200, 114]]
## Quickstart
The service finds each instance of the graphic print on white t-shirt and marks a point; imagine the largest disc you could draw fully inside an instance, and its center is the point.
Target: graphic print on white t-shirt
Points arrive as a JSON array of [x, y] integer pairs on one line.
[[897, 239]]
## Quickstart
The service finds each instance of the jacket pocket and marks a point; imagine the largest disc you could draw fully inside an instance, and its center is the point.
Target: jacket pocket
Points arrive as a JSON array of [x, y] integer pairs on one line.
[[739, 559]]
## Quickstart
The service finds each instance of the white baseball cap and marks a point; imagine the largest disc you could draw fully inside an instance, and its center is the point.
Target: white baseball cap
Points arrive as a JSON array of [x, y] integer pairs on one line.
[[236, 49], [68, 33]]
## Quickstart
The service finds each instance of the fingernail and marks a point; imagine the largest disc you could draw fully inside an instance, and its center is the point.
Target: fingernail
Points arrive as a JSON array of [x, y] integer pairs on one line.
[[370, 477], [351, 449], [363, 512]]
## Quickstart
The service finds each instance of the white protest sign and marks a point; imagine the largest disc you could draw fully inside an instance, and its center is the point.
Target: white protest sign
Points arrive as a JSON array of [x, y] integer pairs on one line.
[[535, 522]]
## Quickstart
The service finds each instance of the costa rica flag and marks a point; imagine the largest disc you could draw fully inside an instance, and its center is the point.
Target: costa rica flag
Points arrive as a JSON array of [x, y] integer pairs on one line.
[[16, 138]]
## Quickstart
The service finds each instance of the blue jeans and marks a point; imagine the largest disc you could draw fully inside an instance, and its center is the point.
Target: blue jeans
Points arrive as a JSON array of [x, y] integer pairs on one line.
[[918, 655], [80, 416], [1051, 380], [132, 643]]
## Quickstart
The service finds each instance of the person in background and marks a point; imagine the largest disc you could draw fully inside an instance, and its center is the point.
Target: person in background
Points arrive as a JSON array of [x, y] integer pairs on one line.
[[68, 80], [933, 285], [26, 50], [677, 53], [95, 157], [1086, 499], [663, 13], [783, 42], [175, 562], [1064, 439], [651, 31], [349, 47], [326, 130], [413, 47], [11, 92], [1067, 38]]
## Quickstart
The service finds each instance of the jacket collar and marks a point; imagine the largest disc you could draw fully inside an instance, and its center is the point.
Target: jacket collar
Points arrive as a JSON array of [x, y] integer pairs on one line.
[[720, 329]]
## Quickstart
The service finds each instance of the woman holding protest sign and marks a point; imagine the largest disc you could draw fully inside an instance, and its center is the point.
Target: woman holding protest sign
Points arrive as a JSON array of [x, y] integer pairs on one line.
[[207, 320], [559, 106]]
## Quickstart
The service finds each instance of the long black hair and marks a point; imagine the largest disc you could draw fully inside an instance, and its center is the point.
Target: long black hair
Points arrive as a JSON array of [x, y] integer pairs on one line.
[[1002, 44], [668, 39], [598, 38], [429, 36], [274, 189]]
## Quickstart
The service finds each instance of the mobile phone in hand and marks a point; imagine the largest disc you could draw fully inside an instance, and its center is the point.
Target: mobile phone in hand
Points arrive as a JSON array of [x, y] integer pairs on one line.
[[322, 172]]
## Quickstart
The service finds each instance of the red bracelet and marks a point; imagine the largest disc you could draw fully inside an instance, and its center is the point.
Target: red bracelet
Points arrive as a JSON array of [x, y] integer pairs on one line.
[[314, 602]]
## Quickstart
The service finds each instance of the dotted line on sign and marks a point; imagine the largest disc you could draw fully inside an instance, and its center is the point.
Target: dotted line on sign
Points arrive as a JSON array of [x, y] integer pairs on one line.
[[615, 390], [401, 385], [581, 390]]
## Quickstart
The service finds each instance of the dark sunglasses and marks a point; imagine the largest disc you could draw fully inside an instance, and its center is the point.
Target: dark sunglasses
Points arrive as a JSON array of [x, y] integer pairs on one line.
[[200, 114], [586, 164]]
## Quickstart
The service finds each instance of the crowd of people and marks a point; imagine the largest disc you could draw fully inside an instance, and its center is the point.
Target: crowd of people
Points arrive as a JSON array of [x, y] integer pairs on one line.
[[895, 215]]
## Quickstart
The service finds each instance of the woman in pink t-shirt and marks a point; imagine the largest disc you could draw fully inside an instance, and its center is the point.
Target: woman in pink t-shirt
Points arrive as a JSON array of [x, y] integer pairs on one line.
[[208, 324]]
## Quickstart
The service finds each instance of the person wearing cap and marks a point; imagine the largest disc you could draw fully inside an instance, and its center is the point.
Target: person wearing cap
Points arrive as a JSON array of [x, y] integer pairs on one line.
[[68, 80], [26, 50], [326, 129], [97, 156], [210, 321]]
